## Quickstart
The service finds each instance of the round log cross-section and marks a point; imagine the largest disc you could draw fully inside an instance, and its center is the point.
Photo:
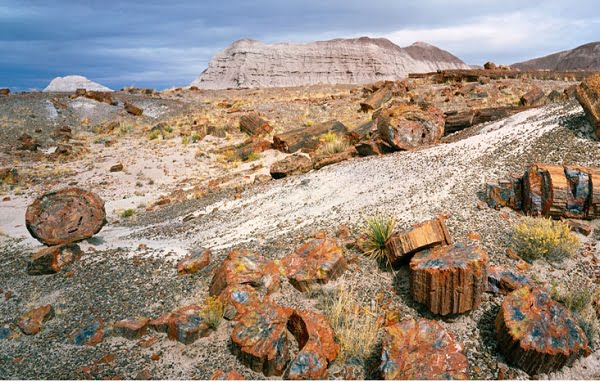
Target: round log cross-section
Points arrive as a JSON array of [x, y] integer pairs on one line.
[[65, 216], [449, 279], [538, 334]]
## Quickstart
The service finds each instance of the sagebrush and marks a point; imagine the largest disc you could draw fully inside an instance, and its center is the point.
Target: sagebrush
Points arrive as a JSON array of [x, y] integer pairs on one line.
[[536, 238]]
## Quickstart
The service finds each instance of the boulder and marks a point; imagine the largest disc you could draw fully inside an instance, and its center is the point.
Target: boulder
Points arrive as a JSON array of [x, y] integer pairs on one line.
[[53, 259], [315, 262], [421, 349], [489, 66], [291, 165], [194, 262], [406, 127], [133, 109], [91, 335], [243, 267], [254, 125], [504, 280], [449, 279], [232, 375], [588, 95], [31, 322], [186, 325], [65, 216], [538, 334], [131, 328], [308, 139], [431, 233]]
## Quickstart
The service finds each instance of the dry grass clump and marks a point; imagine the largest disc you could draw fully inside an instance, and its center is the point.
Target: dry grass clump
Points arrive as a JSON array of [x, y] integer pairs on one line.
[[356, 327], [331, 144], [127, 213], [377, 233], [536, 238], [578, 299], [212, 313]]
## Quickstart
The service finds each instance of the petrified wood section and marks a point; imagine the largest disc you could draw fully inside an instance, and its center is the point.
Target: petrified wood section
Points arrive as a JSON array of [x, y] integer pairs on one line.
[[538, 334], [65, 216], [194, 262], [244, 267], [431, 233], [562, 191], [292, 165], [588, 95], [507, 193], [474, 75], [133, 109], [254, 125], [231, 375], [421, 349], [534, 97], [307, 139], [505, 280], [406, 127], [259, 339], [53, 259], [315, 262], [31, 322], [186, 325], [91, 335], [237, 300], [377, 99], [373, 147], [317, 345], [131, 328], [449, 279]]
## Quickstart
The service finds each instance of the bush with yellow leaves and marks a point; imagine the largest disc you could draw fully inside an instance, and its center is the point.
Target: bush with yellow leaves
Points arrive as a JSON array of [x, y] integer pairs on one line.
[[544, 238], [212, 313]]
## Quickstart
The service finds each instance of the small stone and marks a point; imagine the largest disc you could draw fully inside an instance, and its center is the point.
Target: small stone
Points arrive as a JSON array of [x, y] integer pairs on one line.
[[4, 333], [90, 335], [155, 357], [511, 254], [133, 109], [580, 227], [131, 328], [160, 324], [523, 265], [194, 262], [474, 236], [144, 344], [31, 322], [116, 168]]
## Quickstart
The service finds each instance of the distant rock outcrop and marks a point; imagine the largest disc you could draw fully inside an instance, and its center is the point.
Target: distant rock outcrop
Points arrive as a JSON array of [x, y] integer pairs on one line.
[[250, 63], [584, 57], [72, 83]]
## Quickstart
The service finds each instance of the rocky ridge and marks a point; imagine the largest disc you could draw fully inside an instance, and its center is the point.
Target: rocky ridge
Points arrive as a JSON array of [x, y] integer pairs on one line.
[[584, 57], [72, 83]]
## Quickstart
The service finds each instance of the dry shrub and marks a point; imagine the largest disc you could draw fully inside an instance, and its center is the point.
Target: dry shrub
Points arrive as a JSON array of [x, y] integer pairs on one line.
[[544, 238], [212, 313], [331, 144], [356, 327], [578, 299]]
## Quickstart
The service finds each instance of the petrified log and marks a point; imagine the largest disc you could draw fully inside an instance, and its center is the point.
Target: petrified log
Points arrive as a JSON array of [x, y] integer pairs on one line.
[[588, 95], [534, 97], [333, 159], [373, 147], [376, 100], [186, 325], [252, 147], [505, 280], [450, 279], [507, 193], [133, 109], [259, 339], [244, 267], [31, 322], [254, 125], [315, 262], [307, 139], [406, 127], [194, 262], [53, 259], [65, 216], [131, 328], [421, 349], [431, 233], [105, 97], [458, 121], [538, 334], [237, 300], [292, 165]]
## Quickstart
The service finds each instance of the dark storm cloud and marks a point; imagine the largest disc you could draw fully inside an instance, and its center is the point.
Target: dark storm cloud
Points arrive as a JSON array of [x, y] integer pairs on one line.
[[168, 43]]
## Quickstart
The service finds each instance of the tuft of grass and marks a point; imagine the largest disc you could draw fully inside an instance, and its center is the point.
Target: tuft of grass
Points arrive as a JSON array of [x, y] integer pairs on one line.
[[127, 213], [169, 129], [212, 313], [378, 231], [356, 327], [578, 298], [252, 157], [536, 238], [195, 137], [308, 123], [154, 135], [331, 144], [185, 139]]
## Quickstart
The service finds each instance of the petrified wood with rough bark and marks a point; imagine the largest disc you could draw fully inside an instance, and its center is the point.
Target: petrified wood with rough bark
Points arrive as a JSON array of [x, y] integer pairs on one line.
[[65, 216], [377, 99], [588, 95], [534, 97], [406, 127], [307, 139], [538, 334], [450, 279], [421, 349], [430, 233], [254, 125]]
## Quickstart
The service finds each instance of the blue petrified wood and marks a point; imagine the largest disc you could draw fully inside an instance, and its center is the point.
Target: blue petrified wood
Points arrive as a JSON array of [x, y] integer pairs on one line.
[[421, 349], [91, 334], [504, 280], [538, 334], [449, 279]]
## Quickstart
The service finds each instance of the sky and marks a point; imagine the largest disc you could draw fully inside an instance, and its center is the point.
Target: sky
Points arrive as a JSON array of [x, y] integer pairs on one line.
[[162, 44]]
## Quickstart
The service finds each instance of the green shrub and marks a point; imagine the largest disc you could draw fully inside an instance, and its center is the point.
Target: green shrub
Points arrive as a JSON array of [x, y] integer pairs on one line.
[[544, 238], [154, 134], [377, 232], [127, 213], [195, 137]]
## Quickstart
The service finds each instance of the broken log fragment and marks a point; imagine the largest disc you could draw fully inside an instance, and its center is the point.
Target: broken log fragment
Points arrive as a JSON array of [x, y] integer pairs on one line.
[[308, 139], [534, 97], [376, 100], [428, 234], [538, 334], [449, 279], [588, 95], [254, 125], [133, 109], [458, 121], [406, 127]]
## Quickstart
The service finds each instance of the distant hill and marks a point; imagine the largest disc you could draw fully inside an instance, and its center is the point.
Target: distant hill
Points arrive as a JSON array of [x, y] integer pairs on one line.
[[584, 57], [251, 63], [72, 83]]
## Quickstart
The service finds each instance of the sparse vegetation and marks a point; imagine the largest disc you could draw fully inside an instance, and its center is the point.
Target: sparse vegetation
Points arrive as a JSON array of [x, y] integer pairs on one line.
[[154, 134], [124, 128], [356, 327], [213, 311], [127, 213], [578, 299], [253, 156], [331, 144], [195, 137], [185, 139], [378, 231], [536, 238]]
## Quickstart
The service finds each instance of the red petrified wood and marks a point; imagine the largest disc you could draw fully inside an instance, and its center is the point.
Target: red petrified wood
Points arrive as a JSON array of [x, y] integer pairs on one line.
[[449, 279], [421, 350], [254, 125], [186, 325], [131, 328], [428, 234], [194, 262], [406, 127], [315, 262], [232, 375], [31, 322], [53, 259], [538, 334], [65, 216]]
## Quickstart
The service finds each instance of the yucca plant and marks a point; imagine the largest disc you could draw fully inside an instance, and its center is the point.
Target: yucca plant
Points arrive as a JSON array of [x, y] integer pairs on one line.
[[377, 233]]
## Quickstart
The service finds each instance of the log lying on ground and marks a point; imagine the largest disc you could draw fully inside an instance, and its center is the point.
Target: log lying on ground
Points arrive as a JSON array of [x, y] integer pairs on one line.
[[406, 127], [588, 95], [428, 234], [254, 125], [449, 279], [308, 139], [376, 100], [459, 120], [538, 334], [534, 97]]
